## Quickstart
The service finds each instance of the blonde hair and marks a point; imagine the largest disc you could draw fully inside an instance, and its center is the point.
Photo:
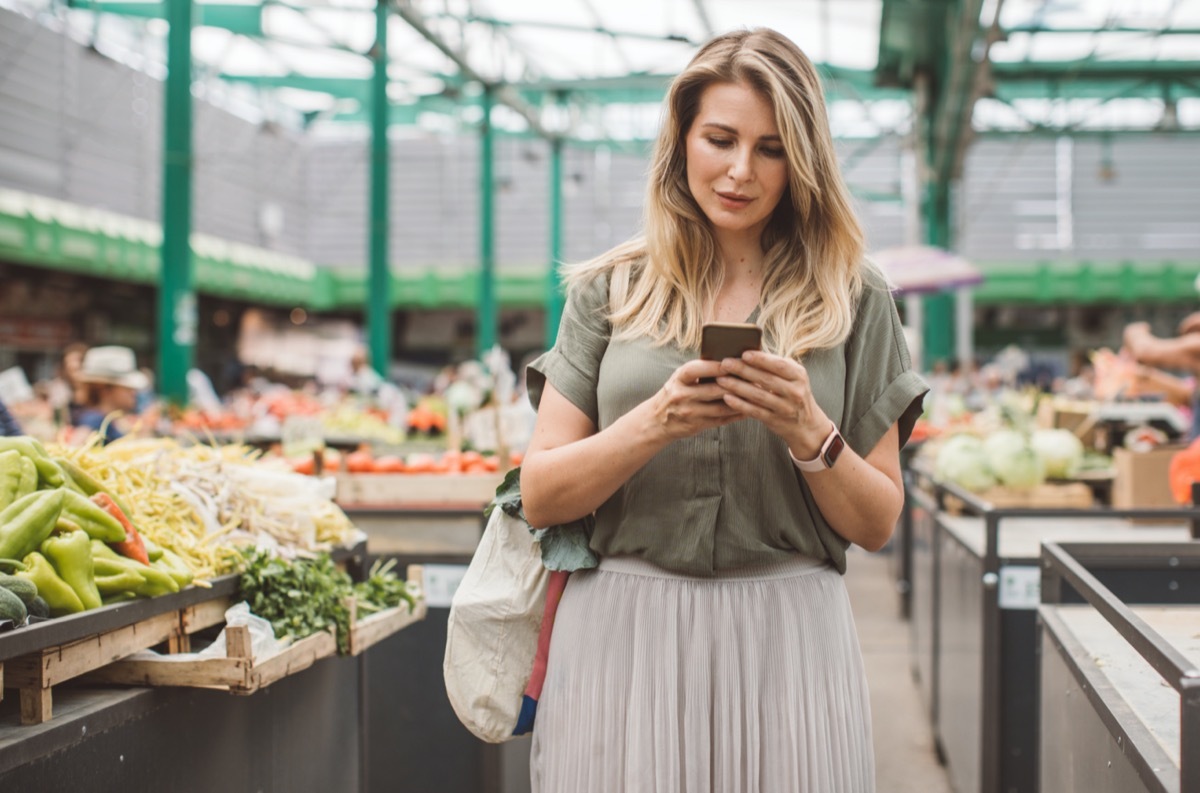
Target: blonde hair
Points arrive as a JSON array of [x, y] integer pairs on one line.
[[661, 283]]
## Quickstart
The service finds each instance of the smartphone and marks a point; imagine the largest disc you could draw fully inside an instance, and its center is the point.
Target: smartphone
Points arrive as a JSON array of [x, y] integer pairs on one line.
[[720, 340]]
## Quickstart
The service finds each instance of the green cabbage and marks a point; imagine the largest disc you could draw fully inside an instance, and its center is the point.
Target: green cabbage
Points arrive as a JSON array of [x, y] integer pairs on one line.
[[1060, 450], [1019, 467], [962, 460]]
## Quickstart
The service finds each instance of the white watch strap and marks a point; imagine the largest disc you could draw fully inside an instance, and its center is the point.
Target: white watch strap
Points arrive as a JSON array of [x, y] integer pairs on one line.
[[818, 462]]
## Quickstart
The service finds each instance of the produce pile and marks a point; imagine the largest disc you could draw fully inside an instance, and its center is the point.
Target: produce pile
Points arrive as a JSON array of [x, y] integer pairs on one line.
[[205, 503], [306, 595], [1001, 445], [70, 540], [363, 461]]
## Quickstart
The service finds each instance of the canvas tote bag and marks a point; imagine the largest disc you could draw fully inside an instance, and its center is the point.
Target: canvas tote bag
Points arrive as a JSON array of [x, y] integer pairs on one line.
[[498, 635]]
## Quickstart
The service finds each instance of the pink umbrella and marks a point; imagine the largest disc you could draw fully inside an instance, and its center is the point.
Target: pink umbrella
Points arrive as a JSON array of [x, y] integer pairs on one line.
[[922, 268]]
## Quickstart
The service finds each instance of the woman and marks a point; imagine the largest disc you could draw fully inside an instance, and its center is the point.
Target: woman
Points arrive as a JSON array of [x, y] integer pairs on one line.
[[713, 649]]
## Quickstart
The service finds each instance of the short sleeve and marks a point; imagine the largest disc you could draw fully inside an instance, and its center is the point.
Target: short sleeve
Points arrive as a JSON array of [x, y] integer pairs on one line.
[[881, 386], [573, 365]]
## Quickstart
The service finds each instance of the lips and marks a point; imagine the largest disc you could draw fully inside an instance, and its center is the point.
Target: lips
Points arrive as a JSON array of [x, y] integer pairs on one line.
[[734, 200]]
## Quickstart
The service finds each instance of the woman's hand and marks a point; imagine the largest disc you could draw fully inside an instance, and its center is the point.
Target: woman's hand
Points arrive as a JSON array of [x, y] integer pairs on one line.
[[684, 406], [776, 391]]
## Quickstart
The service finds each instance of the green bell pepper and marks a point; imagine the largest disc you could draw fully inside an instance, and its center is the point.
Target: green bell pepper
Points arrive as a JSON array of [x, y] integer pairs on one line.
[[58, 594], [153, 551], [28, 521], [48, 471], [90, 517], [173, 565], [71, 555], [154, 581], [124, 581], [29, 477], [10, 476]]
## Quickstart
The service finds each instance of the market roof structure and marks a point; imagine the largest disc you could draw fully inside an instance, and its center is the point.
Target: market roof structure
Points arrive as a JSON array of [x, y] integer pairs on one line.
[[937, 73]]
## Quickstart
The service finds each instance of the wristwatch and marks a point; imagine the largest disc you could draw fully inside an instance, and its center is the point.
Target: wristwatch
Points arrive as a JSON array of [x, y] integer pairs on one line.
[[831, 449]]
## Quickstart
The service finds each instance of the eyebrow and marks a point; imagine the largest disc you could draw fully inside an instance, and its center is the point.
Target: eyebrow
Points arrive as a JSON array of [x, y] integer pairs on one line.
[[733, 131]]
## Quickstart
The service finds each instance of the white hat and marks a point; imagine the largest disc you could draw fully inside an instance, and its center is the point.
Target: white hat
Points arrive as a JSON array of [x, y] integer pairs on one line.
[[114, 365]]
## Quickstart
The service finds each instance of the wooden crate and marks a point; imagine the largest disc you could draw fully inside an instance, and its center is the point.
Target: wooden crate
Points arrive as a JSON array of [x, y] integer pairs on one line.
[[425, 490], [238, 672], [377, 627], [36, 674], [1069, 495]]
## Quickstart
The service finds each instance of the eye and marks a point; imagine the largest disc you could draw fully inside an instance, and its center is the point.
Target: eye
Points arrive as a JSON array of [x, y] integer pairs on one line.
[[721, 143], [774, 152]]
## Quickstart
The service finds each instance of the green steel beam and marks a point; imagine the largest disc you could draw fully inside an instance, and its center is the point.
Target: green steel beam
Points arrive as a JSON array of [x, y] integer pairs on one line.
[[1105, 29], [912, 40], [566, 27], [501, 93], [235, 17], [379, 317], [347, 87], [485, 322], [937, 335], [1158, 88], [554, 295], [176, 296], [1091, 69]]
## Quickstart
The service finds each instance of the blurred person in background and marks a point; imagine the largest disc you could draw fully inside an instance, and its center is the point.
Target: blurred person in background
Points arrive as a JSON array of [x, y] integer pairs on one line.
[[364, 381], [65, 393], [1181, 353], [8, 424], [112, 382]]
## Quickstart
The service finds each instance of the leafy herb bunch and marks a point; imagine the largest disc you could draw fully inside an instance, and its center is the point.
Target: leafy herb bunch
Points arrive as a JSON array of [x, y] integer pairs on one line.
[[307, 595]]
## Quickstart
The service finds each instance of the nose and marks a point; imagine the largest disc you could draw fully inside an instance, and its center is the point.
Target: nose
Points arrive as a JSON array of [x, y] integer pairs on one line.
[[741, 164]]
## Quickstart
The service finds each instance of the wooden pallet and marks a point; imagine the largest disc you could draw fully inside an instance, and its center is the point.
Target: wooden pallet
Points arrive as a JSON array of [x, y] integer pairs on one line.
[[381, 625], [36, 674]]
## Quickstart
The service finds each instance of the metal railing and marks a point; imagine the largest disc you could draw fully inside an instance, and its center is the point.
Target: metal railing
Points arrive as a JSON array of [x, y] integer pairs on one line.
[[1060, 566]]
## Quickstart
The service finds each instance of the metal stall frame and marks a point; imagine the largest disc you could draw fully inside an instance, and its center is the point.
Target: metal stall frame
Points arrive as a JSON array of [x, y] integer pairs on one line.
[[1066, 567], [991, 762]]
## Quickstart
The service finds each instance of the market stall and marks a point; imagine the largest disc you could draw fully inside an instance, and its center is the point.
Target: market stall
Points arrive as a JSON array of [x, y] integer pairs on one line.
[[1119, 681], [191, 573], [975, 594]]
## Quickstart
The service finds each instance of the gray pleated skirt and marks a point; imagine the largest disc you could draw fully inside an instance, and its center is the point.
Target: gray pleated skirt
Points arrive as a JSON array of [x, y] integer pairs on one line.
[[749, 682]]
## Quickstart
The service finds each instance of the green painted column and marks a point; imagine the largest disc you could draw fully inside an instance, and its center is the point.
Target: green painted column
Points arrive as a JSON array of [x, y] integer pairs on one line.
[[939, 325], [485, 319], [379, 318], [554, 295], [176, 295]]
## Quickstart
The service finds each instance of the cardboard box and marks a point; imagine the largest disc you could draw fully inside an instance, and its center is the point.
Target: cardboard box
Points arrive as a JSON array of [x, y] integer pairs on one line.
[[1140, 478]]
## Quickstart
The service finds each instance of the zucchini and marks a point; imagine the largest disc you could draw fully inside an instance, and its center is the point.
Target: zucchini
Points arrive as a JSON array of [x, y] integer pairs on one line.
[[39, 608], [11, 607], [23, 588]]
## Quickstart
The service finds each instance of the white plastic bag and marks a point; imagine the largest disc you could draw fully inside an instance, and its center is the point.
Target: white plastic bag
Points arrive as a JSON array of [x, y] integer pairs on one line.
[[263, 643]]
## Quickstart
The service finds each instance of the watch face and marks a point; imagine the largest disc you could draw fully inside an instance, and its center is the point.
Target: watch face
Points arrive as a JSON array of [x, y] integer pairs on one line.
[[836, 444]]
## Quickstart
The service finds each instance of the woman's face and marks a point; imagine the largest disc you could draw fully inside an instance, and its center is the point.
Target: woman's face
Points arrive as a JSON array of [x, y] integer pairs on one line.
[[737, 169]]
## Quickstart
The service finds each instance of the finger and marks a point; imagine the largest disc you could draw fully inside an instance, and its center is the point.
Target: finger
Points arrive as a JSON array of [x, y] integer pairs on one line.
[[787, 368], [693, 371], [747, 408], [706, 392], [777, 405], [769, 379]]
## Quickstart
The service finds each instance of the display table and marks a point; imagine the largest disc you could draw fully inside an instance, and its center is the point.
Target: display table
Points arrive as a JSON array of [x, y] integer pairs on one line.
[[1120, 683], [975, 593]]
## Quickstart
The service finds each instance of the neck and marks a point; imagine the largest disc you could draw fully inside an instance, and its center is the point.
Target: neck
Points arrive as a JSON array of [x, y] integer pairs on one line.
[[741, 257]]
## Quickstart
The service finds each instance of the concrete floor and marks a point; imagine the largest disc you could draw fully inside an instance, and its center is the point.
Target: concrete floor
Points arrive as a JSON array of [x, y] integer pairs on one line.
[[905, 761]]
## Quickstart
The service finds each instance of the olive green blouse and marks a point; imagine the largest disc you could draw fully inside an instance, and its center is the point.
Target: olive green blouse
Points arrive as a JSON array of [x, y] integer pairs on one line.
[[730, 496]]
